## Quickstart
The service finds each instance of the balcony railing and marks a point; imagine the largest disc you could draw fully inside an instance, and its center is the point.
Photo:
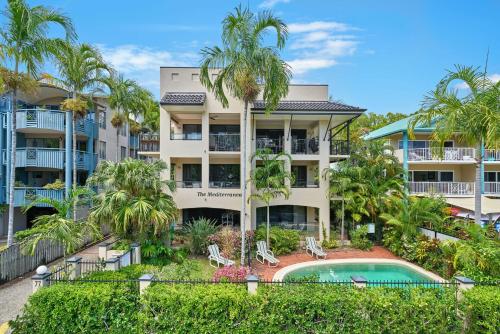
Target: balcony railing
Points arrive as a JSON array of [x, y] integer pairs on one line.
[[492, 188], [85, 160], [227, 142], [491, 155], [339, 147], [274, 144], [444, 188], [26, 195], [150, 137], [305, 146], [188, 184], [305, 184], [38, 157], [185, 136], [149, 146], [223, 184], [448, 154]]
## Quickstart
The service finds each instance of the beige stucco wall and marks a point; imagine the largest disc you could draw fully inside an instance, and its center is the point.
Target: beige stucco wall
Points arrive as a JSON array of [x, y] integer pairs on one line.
[[109, 134]]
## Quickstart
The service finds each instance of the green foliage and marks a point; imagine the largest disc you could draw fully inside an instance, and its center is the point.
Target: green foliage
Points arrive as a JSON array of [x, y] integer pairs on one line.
[[359, 238], [480, 308], [121, 245], [297, 308], [56, 185], [198, 232], [283, 241], [369, 122], [80, 308]]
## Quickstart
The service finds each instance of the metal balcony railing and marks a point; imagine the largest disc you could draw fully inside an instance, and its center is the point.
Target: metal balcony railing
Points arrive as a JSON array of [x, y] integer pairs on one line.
[[305, 146], [188, 184], [149, 146], [38, 157], [185, 136], [339, 147], [305, 184], [224, 184], [447, 154], [491, 155], [150, 137], [444, 188], [274, 144], [224, 142], [26, 195], [492, 188]]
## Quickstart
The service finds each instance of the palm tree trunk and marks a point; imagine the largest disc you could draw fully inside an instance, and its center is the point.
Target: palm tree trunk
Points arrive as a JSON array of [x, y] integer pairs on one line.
[[117, 143], [477, 186], [268, 227], [244, 185], [10, 228], [74, 160]]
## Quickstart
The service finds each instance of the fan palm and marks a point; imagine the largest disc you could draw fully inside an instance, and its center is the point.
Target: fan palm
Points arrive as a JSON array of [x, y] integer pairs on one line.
[[245, 68], [58, 227], [270, 179], [81, 68], [475, 117], [26, 43], [131, 198]]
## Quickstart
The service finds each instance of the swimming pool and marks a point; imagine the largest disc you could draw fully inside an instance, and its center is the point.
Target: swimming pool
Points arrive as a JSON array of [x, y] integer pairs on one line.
[[371, 269]]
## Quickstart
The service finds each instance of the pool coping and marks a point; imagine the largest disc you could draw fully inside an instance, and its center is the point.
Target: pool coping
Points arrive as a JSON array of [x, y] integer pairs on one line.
[[280, 274]]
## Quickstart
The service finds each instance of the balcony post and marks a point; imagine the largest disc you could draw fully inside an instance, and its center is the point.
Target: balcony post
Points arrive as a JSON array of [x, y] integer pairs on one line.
[[1, 152], [90, 149], [405, 157], [348, 133], [68, 158], [482, 168]]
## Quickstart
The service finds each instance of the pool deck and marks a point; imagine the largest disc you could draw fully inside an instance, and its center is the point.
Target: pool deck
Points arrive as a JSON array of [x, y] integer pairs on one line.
[[266, 273]]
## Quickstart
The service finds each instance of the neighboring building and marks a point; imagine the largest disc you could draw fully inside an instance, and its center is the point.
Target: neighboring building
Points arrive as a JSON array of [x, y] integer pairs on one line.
[[44, 148], [201, 142], [450, 173]]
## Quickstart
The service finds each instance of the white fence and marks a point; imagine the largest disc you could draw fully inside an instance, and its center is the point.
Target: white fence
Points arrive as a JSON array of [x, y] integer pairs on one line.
[[436, 235], [447, 154], [492, 188], [445, 188]]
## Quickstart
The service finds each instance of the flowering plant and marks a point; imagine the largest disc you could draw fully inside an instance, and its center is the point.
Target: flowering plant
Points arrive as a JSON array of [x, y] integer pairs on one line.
[[231, 274]]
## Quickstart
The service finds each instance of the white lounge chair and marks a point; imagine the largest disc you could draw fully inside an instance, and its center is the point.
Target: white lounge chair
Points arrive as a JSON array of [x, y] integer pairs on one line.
[[265, 254], [315, 249], [214, 255]]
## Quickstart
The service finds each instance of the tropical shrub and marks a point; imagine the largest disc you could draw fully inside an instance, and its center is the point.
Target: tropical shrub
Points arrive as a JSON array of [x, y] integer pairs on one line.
[[197, 232], [157, 253], [231, 274], [359, 238], [228, 240], [480, 308], [283, 241]]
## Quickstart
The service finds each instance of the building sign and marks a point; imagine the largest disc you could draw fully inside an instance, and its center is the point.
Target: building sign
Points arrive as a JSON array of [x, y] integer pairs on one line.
[[217, 194]]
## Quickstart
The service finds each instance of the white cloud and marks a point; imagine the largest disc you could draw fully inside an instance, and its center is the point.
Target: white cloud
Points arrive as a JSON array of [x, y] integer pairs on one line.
[[271, 3], [318, 44], [143, 63], [495, 77]]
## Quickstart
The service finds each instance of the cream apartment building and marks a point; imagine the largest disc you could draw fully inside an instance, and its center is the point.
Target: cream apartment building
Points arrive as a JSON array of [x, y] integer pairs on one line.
[[450, 173], [201, 142]]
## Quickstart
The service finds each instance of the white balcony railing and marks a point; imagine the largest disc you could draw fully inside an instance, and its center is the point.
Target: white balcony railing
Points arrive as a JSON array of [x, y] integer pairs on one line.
[[443, 188], [491, 155], [448, 154], [492, 188]]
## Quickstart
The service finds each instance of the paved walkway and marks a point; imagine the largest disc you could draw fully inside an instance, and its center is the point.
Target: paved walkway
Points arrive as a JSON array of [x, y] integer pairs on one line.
[[266, 273], [13, 295]]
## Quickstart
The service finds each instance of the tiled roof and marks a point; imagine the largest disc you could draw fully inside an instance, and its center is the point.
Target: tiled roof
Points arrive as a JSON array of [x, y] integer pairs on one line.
[[308, 106], [183, 98]]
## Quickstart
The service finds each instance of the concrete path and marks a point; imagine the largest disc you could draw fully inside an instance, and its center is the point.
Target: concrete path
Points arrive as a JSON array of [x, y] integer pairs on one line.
[[13, 295]]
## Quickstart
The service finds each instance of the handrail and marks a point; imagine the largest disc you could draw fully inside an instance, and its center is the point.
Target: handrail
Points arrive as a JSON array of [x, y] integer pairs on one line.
[[447, 154], [491, 155], [447, 188], [492, 187]]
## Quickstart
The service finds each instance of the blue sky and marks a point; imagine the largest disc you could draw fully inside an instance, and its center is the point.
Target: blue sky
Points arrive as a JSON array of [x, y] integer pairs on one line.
[[380, 55]]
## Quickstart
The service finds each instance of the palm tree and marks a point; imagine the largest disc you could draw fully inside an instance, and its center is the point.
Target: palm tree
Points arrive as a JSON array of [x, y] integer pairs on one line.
[[81, 68], [474, 117], [26, 43], [270, 179], [245, 68], [58, 227], [131, 198]]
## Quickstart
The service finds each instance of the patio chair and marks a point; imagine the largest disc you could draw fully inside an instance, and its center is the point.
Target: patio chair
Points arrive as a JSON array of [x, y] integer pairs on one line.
[[265, 254], [313, 247], [214, 255]]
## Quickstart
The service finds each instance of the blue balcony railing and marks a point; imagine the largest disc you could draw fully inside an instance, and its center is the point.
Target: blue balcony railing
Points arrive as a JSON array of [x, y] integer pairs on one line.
[[85, 161], [50, 158], [26, 195]]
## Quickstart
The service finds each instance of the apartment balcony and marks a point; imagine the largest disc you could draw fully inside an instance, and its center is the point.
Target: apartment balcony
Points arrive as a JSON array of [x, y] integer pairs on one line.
[[25, 195], [491, 156], [448, 154], [51, 121], [442, 188], [188, 184], [85, 161], [305, 184], [185, 136], [274, 144], [52, 158], [305, 145], [339, 147], [492, 188], [224, 184], [227, 142]]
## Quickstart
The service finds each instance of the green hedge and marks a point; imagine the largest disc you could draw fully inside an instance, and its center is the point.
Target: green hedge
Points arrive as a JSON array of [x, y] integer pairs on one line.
[[80, 308], [282, 241], [481, 308]]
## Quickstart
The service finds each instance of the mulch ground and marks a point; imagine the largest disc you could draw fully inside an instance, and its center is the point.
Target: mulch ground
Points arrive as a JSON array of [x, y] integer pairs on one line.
[[266, 273]]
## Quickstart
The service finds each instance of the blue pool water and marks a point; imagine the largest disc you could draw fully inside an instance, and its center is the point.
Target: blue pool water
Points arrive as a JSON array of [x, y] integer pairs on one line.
[[371, 271]]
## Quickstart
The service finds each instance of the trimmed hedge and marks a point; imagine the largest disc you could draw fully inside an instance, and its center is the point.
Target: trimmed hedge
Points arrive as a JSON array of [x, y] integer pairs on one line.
[[481, 308]]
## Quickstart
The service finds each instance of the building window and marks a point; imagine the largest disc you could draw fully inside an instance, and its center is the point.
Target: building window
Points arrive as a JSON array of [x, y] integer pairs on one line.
[[300, 176], [491, 176], [123, 130], [102, 150], [412, 144], [431, 176], [224, 176], [195, 77], [102, 119], [292, 217], [175, 76], [191, 175], [123, 152]]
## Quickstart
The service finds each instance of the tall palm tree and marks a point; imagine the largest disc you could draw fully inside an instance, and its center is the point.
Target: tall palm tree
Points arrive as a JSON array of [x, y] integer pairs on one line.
[[26, 43], [473, 117], [246, 67], [81, 68], [58, 227], [270, 179], [131, 199]]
